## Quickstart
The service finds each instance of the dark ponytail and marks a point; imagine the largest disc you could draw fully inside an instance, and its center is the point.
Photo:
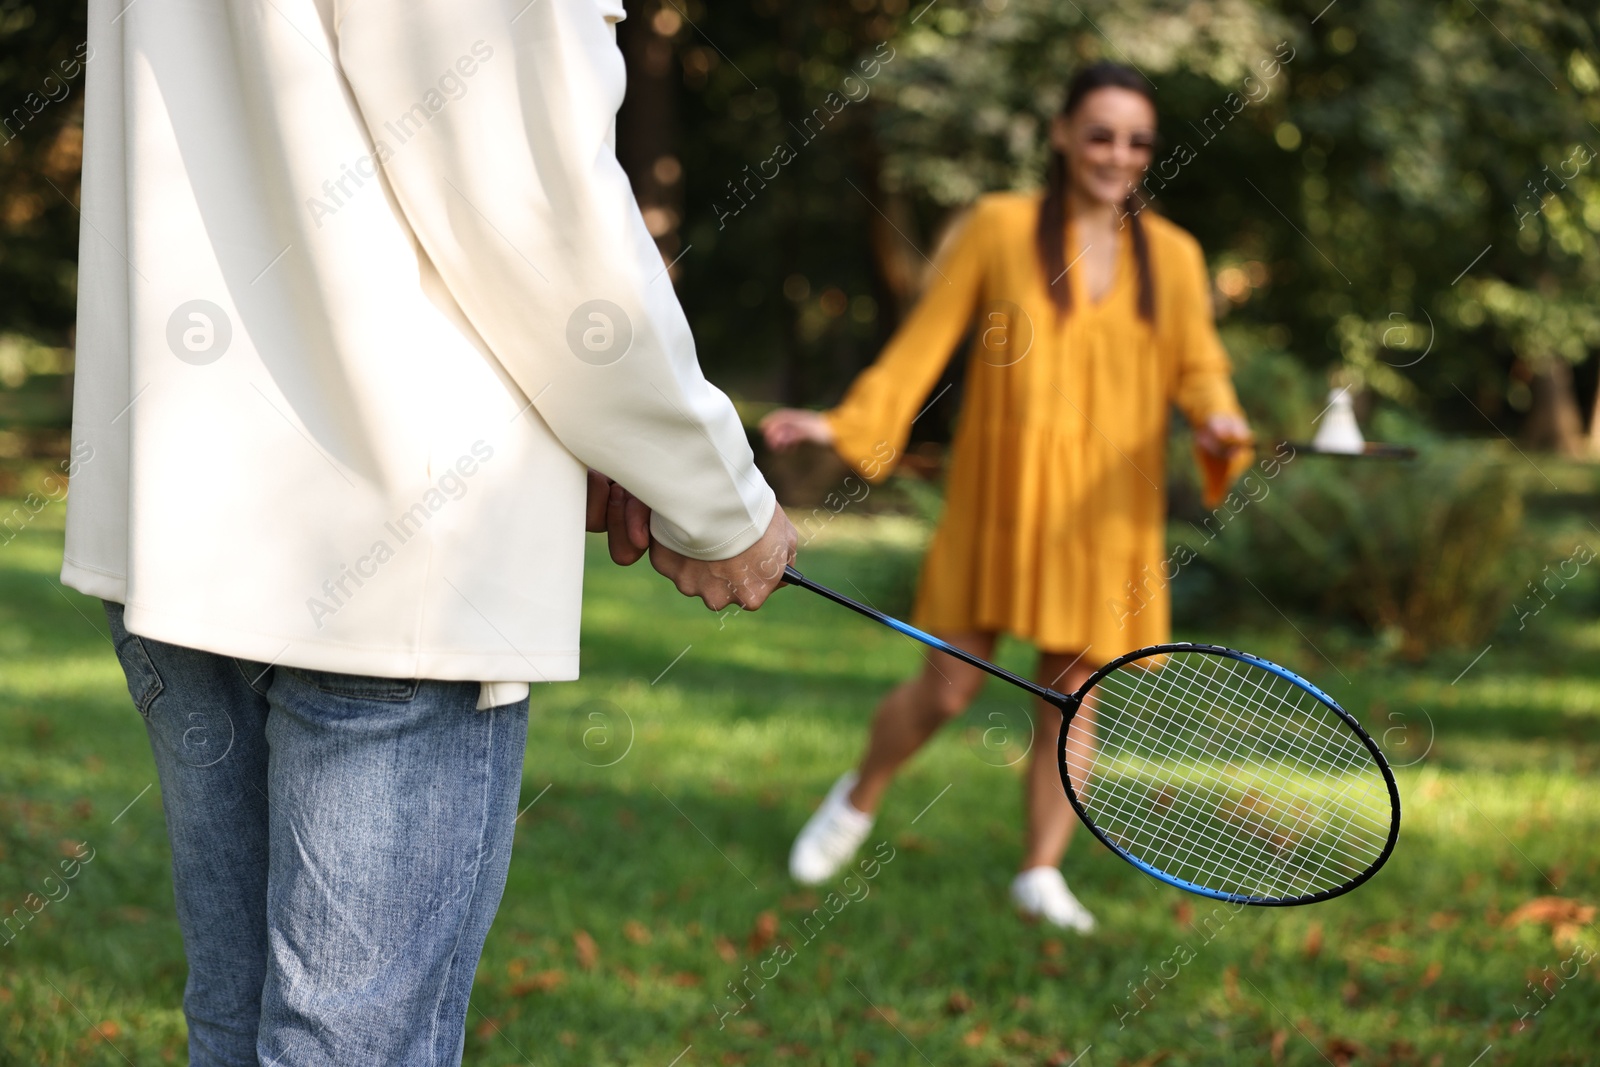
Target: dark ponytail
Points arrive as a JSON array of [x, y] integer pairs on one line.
[[1051, 236]]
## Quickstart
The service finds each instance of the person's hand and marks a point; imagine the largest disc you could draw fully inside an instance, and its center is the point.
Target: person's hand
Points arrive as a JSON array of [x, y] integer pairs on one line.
[[1223, 435], [746, 579], [787, 427], [621, 516]]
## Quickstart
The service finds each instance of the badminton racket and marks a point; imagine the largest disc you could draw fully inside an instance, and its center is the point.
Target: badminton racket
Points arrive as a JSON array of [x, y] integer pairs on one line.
[[1213, 770], [1369, 450]]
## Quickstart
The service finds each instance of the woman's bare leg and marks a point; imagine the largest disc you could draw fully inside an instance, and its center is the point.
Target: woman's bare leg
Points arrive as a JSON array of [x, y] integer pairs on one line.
[[914, 710], [1050, 818]]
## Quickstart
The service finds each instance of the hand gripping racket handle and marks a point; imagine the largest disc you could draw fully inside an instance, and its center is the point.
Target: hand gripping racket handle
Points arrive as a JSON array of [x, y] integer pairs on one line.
[[1061, 700]]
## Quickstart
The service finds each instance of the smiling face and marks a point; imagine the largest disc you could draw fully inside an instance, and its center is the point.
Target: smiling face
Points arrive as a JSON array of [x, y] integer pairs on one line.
[[1108, 141]]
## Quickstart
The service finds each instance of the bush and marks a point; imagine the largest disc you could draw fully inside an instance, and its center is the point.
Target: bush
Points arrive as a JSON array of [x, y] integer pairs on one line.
[[1429, 553]]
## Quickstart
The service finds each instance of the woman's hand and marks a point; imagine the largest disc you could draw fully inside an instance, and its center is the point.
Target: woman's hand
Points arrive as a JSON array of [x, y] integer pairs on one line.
[[788, 427], [1223, 435]]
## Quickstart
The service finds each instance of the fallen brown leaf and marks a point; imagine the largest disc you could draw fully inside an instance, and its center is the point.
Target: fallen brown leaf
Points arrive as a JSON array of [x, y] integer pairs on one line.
[[1550, 911], [1388, 954], [540, 982], [1313, 945], [1341, 1051], [1566, 918], [1152, 1059], [588, 952], [1018, 1038], [888, 1015], [765, 930]]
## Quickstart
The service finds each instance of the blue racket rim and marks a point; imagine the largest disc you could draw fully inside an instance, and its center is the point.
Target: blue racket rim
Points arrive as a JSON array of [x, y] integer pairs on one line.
[[1071, 704]]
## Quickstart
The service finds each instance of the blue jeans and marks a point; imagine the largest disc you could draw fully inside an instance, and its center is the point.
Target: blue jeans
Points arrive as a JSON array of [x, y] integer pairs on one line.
[[339, 848]]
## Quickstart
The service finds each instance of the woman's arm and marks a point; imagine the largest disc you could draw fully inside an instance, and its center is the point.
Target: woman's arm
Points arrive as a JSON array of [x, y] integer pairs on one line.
[[1202, 387]]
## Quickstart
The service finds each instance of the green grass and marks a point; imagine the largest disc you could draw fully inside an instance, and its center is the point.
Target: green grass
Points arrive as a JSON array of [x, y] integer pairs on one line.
[[641, 889]]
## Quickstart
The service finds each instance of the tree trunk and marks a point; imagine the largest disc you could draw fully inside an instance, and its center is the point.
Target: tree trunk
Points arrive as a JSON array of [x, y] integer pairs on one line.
[[647, 124], [1555, 422], [1594, 425]]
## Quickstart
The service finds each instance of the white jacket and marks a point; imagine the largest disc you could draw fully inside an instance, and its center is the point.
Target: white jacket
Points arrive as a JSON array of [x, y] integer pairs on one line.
[[362, 289]]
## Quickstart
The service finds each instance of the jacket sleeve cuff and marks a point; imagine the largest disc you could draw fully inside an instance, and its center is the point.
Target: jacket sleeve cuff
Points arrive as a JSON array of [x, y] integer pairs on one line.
[[729, 546]]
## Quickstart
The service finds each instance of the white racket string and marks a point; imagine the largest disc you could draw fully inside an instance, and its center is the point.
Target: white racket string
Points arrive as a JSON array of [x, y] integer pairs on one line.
[[1127, 793], [1191, 812], [1350, 755], [1214, 798], [1212, 749], [1228, 776]]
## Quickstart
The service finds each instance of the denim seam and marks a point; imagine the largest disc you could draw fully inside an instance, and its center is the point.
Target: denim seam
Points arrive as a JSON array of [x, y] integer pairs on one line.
[[477, 873], [402, 692], [148, 701], [239, 663], [145, 700]]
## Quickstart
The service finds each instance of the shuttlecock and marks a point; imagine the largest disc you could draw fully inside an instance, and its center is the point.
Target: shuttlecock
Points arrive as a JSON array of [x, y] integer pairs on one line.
[[1338, 431]]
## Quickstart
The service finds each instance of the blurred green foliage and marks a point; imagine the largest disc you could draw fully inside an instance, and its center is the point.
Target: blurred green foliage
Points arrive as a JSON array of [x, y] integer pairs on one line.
[[1405, 194], [41, 140], [1427, 554], [41, 116]]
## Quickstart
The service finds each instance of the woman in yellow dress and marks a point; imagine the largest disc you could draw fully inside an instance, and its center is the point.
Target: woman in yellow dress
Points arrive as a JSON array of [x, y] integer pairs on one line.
[[1093, 318]]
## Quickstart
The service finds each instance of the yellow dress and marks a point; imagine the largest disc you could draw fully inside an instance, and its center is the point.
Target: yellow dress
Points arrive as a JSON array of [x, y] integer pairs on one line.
[[1055, 503]]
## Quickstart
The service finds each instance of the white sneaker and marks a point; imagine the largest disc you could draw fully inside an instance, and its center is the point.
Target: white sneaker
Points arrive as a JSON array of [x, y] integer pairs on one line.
[[830, 837], [1043, 892]]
